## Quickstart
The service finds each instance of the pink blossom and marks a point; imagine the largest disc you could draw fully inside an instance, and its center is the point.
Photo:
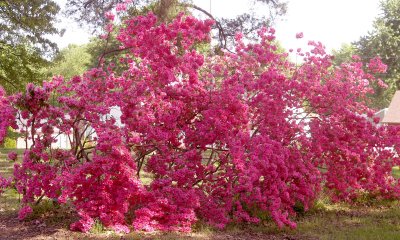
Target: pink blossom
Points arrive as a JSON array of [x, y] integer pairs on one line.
[[299, 35], [83, 225], [110, 16], [222, 136], [24, 212], [12, 156], [376, 65], [120, 7], [109, 27], [4, 183]]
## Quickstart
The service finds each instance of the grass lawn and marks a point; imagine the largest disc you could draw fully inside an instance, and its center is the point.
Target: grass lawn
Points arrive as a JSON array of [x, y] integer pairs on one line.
[[325, 221], [396, 172]]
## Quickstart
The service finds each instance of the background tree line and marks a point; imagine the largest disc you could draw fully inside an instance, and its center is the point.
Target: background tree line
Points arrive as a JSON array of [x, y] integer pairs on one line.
[[384, 41]]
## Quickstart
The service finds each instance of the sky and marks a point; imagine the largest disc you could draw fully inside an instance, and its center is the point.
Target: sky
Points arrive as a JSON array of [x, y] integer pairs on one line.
[[73, 33], [332, 22]]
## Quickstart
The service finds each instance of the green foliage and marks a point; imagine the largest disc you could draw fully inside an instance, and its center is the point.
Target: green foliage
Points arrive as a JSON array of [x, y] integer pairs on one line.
[[97, 227], [10, 142], [71, 61], [343, 54], [99, 48], [24, 28], [45, 206], [165, 10], [9, 200], [384, 41], [396, 172], [26, 20], [19, 64]]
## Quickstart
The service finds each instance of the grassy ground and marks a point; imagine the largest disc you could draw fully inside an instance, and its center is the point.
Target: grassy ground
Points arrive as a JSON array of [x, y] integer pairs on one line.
[[341, 221], [396, 172], [369, 220]]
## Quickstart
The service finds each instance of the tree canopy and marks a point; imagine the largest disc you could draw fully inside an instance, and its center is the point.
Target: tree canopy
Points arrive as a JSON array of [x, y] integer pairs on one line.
[[71, 61], [383, 41], [24, 29], [23, 21]]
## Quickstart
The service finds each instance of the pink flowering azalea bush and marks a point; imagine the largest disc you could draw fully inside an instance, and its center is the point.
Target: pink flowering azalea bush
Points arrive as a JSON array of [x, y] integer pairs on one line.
[[4, 184], [12, 156], [24, 212], [7, 113], [225, 138]]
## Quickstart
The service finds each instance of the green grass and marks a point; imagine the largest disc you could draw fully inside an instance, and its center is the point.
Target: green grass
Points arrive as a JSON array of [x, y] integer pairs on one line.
[[7, 150], [9, 202], [146, 177], [338, 221], [6, 166], [396, 172], [342, 221]]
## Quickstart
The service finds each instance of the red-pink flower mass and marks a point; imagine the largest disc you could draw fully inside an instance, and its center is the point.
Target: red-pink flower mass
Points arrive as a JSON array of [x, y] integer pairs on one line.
[[224, 138]]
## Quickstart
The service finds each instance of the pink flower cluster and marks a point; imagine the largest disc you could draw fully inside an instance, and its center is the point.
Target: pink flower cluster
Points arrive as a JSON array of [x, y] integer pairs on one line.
[[24, 212], [236, 137], [299, 35], [12, 156], [7, 113], [376, 65], [4, 183]]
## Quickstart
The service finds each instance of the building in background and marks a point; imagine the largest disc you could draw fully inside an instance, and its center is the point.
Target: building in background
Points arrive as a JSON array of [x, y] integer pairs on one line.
[[392, 115]]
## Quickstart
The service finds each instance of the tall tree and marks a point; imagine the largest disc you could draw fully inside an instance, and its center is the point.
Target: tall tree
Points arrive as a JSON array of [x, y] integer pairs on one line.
[[343, 54], [19, 64], [24, 27], [384, 41], [71, 61]]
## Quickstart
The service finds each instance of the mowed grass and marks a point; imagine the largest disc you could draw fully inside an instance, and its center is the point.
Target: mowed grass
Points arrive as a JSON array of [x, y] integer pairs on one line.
[[326, 220], [9, 199], [380, 220], [396, 172]]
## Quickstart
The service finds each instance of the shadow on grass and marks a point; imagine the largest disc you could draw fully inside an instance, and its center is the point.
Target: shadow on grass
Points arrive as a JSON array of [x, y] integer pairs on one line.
[[46, 222], [9, 202], [343, 221]]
